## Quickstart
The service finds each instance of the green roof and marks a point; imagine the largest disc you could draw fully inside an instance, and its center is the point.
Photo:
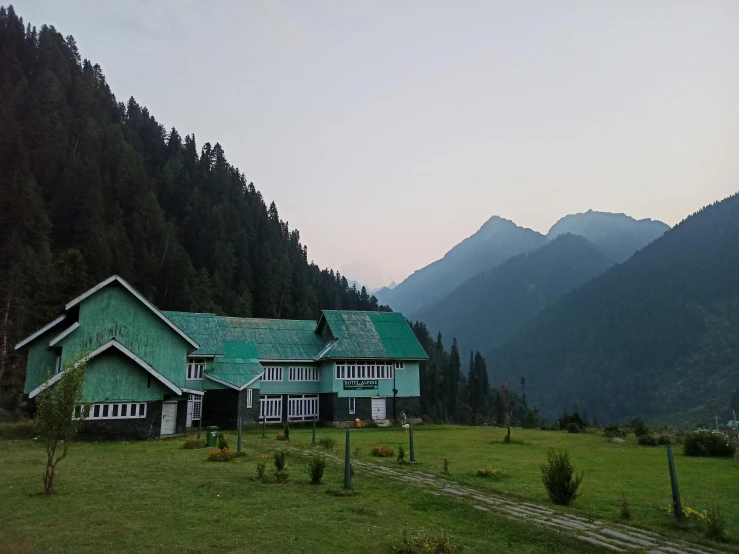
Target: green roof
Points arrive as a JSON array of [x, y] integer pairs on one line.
[[355, 335], [370, 335]]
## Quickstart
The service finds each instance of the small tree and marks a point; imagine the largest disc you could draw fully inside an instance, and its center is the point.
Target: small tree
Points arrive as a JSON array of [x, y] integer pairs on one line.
[[559, 478], [508, 404], [56, 420]]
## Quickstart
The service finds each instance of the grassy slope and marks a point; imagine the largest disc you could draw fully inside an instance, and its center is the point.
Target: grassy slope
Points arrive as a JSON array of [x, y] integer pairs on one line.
[[146, 496]]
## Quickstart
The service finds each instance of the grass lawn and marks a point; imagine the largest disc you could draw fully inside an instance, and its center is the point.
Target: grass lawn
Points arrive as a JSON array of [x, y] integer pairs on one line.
[[157, 496], [143, 496], [610, 468]]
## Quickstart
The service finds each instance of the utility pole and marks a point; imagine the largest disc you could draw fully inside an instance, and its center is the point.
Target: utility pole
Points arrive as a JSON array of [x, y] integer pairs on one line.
[[716, 418]]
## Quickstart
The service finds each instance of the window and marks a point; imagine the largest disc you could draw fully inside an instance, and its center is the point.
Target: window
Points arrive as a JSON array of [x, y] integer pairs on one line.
[[302, 407], [398, 365], [195, 368], [125, 410], [270, 407], [352, 405], [304, 374], [249, 393], [272, 373], [361, 369], [197, 405], [58, 364]]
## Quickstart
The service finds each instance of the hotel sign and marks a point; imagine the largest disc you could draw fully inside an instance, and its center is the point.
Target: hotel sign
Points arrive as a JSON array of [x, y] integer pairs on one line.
[[360, 384]]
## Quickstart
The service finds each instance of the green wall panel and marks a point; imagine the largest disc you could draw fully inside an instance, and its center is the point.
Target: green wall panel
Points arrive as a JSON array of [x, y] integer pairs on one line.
[[115, 313], [41, 359], [112, 377]]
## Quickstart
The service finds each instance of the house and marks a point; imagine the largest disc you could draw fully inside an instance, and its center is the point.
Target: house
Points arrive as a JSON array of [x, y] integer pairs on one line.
[[153, 373]]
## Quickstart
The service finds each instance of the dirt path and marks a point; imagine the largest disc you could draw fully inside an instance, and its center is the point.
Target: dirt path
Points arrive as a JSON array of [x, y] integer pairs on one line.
[[607, 535]]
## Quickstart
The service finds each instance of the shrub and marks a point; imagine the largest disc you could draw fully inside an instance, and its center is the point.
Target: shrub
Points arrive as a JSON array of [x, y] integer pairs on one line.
[[647, 439], [715, 524], [613, 432], [315, 469], [382, 451], [193, 443], [401, 454], [530, 421], [279, 461], [280, 476], [262, 467], [639, 427], [572, 427], [625, 509], [281, 436], [574, 418], [665, 438], [421, 543], [446, 466], [221, 455], [709, 443], [490, 473], [559, 478], [327, 443], [222, 442]]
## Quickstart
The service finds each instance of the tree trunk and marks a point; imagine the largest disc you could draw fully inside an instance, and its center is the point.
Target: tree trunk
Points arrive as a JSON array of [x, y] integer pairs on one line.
[[49, 479], [4, 331]]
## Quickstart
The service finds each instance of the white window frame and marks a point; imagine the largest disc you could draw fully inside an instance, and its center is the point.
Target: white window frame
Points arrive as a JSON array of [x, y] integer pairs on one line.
[[95, 411], [399, 365], [352, 406], [249, 397], [302, 407], [364, 369], [273, 405], [195, 369], [58, 364], [303, 373], [272, 374], [197, 406]]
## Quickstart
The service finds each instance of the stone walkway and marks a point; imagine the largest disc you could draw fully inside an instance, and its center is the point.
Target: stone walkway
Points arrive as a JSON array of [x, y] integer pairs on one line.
[[606, 535]]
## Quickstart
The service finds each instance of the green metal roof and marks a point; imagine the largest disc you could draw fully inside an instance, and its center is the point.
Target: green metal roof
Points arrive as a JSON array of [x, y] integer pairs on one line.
[[270, 339], [370, 335], [355, 335]]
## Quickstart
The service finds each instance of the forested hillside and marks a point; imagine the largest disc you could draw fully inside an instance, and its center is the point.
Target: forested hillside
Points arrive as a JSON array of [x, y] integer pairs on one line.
[[656, 337], [90, 187], [491, 306], [496, 241]]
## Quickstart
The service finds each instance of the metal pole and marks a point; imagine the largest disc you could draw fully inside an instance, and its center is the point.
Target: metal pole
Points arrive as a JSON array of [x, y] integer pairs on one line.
[[677, 508], [314, 431], [347, 464], [413, 452], [264, 424], [736, 424], [238, 441]]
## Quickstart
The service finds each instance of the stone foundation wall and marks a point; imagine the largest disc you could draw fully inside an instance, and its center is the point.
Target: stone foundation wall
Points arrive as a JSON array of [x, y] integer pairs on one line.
[[144, 428]]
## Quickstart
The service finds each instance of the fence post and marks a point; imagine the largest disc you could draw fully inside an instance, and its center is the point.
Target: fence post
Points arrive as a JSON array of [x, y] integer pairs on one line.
[[677, 507], [238, 440], [347, 464], [413, 452], [264, 424], [314, 431]]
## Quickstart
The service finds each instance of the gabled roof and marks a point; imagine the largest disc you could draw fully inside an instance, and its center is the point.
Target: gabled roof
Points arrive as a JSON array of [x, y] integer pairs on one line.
[[369, 335], [90, 292], [40, 332], [123, 350], [139, 296], [236, 369]]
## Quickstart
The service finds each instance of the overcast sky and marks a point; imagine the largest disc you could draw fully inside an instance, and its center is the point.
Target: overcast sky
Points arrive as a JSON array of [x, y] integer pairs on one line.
[[387, 132]]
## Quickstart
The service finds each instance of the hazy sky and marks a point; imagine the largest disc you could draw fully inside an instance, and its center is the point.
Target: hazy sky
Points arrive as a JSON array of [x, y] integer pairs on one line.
[[386, 131]]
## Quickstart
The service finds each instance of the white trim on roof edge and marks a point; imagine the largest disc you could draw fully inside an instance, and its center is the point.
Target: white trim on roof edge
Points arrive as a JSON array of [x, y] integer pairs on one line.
[[250, 382], [221, 381], [126, 352], [40, 332], [193, 391], [64, 333], [141, 298]]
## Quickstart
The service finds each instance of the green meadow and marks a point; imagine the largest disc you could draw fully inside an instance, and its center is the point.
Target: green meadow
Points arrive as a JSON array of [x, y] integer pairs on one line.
[[143, 496]]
